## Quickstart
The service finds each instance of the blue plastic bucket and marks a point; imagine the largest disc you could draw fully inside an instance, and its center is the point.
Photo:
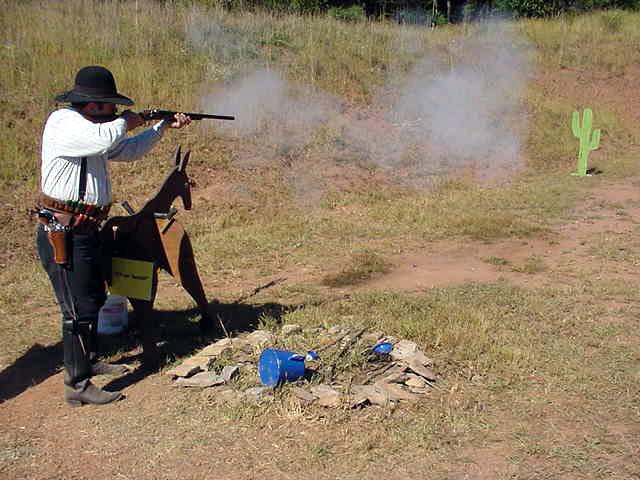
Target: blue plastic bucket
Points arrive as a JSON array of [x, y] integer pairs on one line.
[[279, 366]]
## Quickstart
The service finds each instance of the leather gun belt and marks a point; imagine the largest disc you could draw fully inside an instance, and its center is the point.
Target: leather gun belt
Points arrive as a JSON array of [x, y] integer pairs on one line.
[[73, 207]]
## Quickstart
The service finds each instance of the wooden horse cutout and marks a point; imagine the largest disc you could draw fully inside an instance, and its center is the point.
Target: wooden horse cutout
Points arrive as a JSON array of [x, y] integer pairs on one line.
[[153, 235]]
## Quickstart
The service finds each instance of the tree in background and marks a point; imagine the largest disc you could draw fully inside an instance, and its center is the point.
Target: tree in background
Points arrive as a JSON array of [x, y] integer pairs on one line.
[[540, 8], [433, 11], [448, 11]]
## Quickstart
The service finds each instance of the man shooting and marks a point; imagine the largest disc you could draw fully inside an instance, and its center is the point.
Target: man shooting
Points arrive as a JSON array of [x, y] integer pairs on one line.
[[77, 143]]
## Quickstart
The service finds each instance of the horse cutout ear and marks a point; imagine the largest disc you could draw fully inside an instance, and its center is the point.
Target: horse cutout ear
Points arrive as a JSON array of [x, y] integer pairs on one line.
[[178, 154], [184, 161]]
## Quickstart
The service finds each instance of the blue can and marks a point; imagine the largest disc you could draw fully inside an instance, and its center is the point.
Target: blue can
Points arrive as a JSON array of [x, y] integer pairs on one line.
[[278, 366], [383, 348]]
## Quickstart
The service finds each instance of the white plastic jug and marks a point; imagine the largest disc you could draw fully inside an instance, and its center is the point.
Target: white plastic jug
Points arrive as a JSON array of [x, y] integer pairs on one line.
[[112, 318]]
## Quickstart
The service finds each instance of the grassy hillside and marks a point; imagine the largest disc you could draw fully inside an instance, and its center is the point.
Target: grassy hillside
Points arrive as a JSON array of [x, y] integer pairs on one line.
[[249, 215], [176, 55]]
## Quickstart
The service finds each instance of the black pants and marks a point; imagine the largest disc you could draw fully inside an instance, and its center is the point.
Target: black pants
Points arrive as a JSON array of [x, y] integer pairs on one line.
[[80, 290]]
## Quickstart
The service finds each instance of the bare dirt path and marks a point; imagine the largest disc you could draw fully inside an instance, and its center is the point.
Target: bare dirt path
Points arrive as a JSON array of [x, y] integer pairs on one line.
[[41, 438]]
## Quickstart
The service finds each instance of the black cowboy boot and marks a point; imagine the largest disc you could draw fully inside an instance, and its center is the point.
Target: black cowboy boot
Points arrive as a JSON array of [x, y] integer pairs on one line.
[[90, 395], [78, 390], [103, 368]]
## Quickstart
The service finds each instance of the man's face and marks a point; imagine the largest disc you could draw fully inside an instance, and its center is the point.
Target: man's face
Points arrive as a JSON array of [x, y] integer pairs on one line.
[[95, 109]]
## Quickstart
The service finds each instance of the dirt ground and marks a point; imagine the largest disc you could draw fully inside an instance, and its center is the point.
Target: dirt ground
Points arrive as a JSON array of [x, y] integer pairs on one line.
[[161, 432]]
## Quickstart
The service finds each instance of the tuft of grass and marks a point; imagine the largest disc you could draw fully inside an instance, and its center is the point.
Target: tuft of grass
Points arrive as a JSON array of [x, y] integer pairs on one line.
[[364, 265], [533, 264], [497, 261], [321, 451], [221, 361]]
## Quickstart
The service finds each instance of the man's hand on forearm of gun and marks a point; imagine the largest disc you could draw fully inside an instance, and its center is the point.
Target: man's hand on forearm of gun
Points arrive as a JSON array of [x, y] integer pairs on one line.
[[180, 120]]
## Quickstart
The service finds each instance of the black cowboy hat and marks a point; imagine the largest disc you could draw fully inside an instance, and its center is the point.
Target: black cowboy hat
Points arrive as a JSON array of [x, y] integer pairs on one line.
[[94, 84]]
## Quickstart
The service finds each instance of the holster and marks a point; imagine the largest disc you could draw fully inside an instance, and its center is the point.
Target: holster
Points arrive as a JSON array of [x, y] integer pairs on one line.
[[60, 225], [59, 237], [59, 241]]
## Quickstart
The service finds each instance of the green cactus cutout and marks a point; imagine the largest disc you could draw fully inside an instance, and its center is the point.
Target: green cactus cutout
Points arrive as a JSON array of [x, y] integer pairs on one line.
[[588, 142]]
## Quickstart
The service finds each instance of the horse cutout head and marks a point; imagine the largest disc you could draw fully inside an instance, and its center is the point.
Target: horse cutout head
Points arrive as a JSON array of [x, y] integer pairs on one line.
[[182, 180], [177, 184]]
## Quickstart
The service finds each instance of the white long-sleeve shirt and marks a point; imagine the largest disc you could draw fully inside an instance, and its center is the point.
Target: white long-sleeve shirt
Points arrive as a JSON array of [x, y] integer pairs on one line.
[[68, 137]]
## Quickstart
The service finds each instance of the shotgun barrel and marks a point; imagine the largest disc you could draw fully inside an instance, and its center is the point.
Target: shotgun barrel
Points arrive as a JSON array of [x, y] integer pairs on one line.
[[157, 114]]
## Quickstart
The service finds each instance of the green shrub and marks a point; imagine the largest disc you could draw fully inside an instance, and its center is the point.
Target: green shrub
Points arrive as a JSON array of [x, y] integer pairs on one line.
[[527, 8], [440, 20], [298, 6], [613, 20], [354, 13]]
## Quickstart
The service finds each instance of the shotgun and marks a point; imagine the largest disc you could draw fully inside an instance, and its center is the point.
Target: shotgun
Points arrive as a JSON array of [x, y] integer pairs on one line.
[[156, 114]]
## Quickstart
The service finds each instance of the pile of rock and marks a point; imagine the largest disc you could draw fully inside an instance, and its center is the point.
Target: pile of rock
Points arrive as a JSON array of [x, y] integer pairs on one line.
[[404, 374]]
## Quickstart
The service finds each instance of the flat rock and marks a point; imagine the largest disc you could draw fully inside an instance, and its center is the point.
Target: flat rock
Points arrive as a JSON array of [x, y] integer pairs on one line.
[[423, 371], [260, 338], [373, 394], [415, 381], [202, 362], [419, 391], [291, 329], [201, 380], [403, 349], [216, 349], [229, 372], [303, 395], [184, 370], [394, 377], [420, 358], [396, 392], [327, 396], [408, 351]]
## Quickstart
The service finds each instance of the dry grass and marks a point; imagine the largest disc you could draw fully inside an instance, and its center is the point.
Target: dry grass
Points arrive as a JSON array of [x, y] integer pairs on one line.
[[201, 46], [607, 41], [363, 266]]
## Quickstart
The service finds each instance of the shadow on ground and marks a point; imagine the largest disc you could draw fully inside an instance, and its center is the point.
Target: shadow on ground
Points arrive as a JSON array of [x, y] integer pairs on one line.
[[180, 335], [34, 366]]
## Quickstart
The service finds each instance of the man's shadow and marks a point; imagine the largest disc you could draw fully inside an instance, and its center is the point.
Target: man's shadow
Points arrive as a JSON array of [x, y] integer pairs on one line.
[[33, 367], [180, 336]]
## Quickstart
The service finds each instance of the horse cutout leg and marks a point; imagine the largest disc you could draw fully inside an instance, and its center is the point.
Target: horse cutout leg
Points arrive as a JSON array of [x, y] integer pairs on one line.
[[181, 264], [150, 333]]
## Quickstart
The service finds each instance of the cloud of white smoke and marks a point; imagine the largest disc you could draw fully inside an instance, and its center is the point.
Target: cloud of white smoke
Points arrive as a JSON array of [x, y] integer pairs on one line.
[[459, 107], [462, 113]]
